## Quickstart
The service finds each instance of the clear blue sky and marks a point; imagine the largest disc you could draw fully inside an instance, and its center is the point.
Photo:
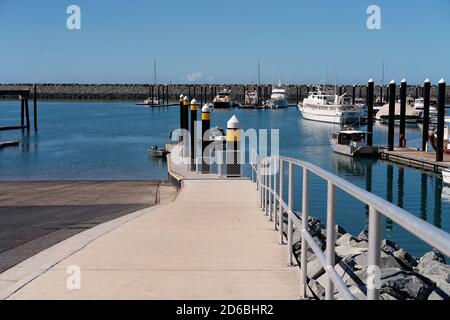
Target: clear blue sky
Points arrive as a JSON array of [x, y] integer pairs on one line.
[[220, 41]]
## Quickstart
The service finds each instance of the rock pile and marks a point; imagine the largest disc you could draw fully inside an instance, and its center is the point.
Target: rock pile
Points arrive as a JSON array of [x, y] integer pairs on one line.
[[403, 277]]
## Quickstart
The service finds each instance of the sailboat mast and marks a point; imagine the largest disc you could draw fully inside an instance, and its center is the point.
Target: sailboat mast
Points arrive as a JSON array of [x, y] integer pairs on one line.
[[259, 73], [154, 70]]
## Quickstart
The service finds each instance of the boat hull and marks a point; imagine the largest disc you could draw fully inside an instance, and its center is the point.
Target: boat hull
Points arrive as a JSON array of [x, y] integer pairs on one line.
[[344, 117], [223, 104], [355, 152], [446, 176]]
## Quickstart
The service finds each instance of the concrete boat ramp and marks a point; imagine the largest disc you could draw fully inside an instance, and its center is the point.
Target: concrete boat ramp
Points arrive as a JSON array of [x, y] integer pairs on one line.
[[211, 242]]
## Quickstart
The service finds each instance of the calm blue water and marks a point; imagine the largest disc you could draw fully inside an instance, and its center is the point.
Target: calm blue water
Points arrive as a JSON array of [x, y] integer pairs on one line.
[[110, 140]]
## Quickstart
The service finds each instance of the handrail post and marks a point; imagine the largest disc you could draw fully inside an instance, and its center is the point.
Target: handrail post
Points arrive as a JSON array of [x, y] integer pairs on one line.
[[266, 194], [280, 215], [290, 212], [303, 257], [373, 261], [271, 195], [277, 203], [263, 181], [331, 238], [274, 204]]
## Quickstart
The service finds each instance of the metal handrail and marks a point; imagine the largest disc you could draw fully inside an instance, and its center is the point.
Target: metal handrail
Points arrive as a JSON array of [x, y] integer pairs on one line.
[[272, 202]]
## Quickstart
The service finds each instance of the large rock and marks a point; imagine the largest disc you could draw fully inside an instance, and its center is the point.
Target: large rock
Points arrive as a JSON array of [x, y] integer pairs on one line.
[[407, 261], [356, 291], [363, 235], [407, 285], [348, 240], [314, 269], [317, 289], [442, 291], [435, 268], [386, 261], [349, 251], [432, 256], [389, 246]]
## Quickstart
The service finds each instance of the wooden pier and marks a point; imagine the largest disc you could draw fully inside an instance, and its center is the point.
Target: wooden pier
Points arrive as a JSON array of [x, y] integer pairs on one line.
[[416, 158]]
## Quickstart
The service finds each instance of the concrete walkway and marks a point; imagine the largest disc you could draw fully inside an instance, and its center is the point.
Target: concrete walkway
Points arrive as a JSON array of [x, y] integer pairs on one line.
[[212, 242]]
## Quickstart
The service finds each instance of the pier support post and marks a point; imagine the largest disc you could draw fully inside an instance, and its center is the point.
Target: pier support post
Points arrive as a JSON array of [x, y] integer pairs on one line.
[[340, 90], [369, 102], [353, 94], [402, 137], [194, 107], [22, 111], [440, 121], [426, 113], [233, 152], [35, 116], [392, 87], [206, 139], [381, 94], [27, 113]]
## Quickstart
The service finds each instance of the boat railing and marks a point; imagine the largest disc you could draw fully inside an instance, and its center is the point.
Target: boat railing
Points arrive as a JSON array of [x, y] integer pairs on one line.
[[269, 175]]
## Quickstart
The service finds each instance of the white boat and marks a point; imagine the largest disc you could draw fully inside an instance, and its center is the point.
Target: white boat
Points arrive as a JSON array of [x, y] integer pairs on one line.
[[278, 98], [446, 176], [329, 108], [223, 100], [251, 98], [152, 101], [352, 143], [412, 116], [419, 105]]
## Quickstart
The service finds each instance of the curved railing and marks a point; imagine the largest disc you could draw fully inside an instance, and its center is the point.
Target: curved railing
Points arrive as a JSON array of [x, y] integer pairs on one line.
[[270, 184]]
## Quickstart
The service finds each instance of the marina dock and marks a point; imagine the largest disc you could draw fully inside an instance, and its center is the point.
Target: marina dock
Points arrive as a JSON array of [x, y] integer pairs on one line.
[[212, 242], [416, 158]]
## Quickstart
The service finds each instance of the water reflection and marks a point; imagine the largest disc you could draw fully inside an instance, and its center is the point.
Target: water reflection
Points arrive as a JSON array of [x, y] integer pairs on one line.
[[389, 196], [423, 196], [437, 203]]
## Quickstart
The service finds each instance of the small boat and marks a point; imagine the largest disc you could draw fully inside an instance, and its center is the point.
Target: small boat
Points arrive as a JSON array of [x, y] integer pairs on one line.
[[352, 143], [432, 137], [158, 153], [419, 105], [251, 98], [152, 101], [223, 100], [446, 176], [278, 98]]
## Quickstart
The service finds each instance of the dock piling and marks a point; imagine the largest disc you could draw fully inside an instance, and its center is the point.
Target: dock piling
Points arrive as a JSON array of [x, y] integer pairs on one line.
[[194, 106], [27, 113], [353, 94], [440, 121], [402, 138], [426, 113], [232, 159], [392, 88], [181, 113], [22, 111], [369, 102], [35, 116], [206, 125]]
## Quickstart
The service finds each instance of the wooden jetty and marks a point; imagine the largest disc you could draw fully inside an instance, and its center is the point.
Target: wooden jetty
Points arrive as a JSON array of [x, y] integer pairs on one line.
[[416, 158], [23, 95]]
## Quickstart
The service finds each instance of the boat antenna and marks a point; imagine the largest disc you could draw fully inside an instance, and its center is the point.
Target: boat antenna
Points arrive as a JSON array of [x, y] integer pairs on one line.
[[335, 81], [382, 72]]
